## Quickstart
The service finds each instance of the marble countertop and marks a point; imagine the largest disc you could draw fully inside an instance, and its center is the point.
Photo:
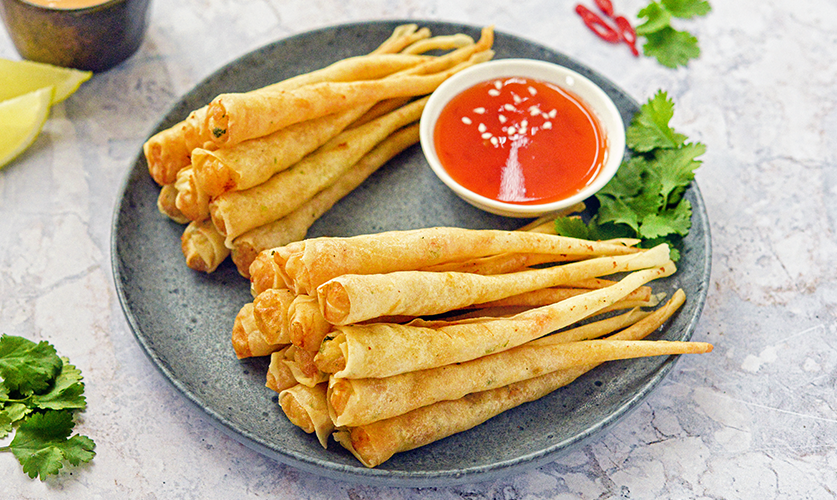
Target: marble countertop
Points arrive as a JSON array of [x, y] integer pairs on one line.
[[756, 418]]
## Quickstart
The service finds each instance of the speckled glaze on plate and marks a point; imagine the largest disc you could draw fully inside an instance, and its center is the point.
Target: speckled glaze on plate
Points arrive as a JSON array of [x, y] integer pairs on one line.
[[183, 319]]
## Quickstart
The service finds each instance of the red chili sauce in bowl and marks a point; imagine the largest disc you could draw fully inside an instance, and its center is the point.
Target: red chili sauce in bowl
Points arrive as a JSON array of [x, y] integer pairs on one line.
[[520, 140]]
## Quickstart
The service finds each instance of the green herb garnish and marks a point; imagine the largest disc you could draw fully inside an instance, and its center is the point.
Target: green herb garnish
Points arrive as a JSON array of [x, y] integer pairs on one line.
[[644, 199], [672, 48], [39, 395]]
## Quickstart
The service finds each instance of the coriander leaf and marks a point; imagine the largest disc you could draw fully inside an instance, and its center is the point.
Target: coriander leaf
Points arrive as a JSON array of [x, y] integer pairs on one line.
[[633, 210], [573, 227], [25, 366], [41, 445], [66, 393], [657, 17], [79, 449], [609, 230], [650, 128], [645, 198], [671, 47], [10, 415], [687, 9], [648, 202], [671, 241], [42, 462], [628, 180], [674, 221], [616, 211], [680, 166]]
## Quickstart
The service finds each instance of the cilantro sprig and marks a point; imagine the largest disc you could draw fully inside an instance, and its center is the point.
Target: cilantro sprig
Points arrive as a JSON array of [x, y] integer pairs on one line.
[[671, 47], [40, 392], [644, 199]]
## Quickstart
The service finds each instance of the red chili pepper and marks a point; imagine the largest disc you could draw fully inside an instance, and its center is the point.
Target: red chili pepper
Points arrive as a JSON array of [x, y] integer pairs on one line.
[[606, 6], [627, 33], [597, 24]]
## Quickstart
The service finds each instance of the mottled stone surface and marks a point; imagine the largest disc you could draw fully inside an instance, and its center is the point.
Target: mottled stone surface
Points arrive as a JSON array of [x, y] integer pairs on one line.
[[754, 419]]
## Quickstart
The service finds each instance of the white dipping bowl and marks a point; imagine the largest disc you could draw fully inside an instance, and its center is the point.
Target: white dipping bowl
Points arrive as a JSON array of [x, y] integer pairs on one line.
[[593, 96]]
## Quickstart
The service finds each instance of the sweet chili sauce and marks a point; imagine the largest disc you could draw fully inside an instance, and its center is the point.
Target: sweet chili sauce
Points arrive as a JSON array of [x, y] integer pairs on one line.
[[520, 140]]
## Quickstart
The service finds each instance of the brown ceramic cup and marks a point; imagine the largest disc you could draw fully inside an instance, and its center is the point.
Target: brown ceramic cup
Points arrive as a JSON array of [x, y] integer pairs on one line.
[[93, 38]]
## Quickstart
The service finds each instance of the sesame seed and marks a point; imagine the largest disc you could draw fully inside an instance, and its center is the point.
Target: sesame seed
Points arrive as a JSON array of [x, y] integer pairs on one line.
[[533, 90], [534, 110], [546, 125], [498, 84], [481, 127], [511, 131], [479, 111], [509, 107], [493, 92], [553, 113], [486, 135], [517, 99], [494, 141], [502, 118], [466, 120], [524, 123]]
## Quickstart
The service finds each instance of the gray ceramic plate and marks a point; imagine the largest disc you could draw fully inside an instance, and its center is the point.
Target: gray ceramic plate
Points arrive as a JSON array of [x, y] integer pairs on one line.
[[183, 319]]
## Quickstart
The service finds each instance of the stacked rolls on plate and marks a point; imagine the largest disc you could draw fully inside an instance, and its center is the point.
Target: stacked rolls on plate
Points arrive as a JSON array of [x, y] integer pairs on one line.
[[254, 170], [390, 341]]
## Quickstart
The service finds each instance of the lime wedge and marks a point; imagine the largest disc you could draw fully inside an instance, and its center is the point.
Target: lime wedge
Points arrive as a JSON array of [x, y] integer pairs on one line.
[[21, 119], [21, 77]]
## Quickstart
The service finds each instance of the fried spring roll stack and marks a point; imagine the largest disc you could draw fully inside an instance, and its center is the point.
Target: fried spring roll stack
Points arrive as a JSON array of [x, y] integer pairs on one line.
[[448, 42], [354, 402], [253, 162], [170, 150], [354, 298], [500, 264], [376, 442], [302, 367], [247, 339], [279, 376], [382, 349], [235, 117], [237, 212], [294, 226], [166, 153], [203, 246], [312, 151], [546, 296], [308, 327], [394, 386], [167, 204], [192, 201], [497, 370], [317, 260], [271, 315], [476, 52], [306, 407], [264, 274]]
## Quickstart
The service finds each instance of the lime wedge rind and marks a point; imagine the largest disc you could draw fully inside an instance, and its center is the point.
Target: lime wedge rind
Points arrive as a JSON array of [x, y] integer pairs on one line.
[[22, 77], [22, 119]]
